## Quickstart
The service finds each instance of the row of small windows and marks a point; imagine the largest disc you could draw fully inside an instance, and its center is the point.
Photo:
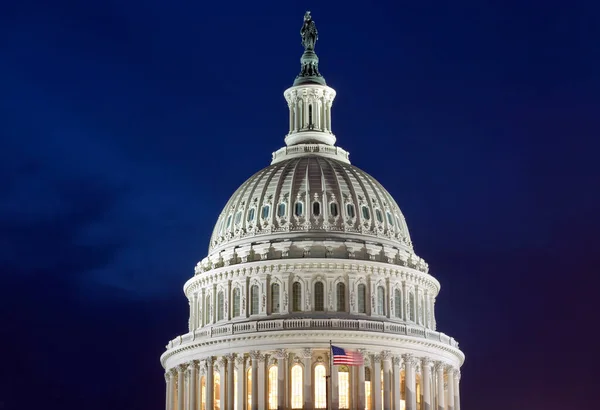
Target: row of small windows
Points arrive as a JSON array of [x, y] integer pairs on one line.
[[316, 211], [319, 300]]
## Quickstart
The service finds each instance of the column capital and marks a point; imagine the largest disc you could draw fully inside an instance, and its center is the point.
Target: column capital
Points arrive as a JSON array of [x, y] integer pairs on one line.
[[306, 353], [376, 358], [167, 376], [386, 355], [396, 360], [426, 362], [280, 354], [172, 373], [440, 366], [182, 368], [230, 357], [457, 374], [450, 369], [257, 355], [222, 361], [239, 360], [409, 360]]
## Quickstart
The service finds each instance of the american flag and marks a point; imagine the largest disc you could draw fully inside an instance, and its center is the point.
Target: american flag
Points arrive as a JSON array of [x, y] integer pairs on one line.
[[342, 356]]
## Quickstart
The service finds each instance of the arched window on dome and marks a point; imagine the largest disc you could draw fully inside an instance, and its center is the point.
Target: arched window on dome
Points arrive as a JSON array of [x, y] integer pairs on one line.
[[340, 289], [254, 300], [272, 388], [249, 387], [238, 217], [316, 208], [397, 303], [208, 310], [228, 222], [296, 297], [297, 387], [350, 210], [319, 297], [333, 209], [299, 209], [344, 387], [389, 218], [275, 298], [220, 305], [379, 215], [236, 302], [251, 214], [380, 300], [320, 385], [368, 405], [365, 212], [362, 298], [281, 210], [266, 209], [216, 390], [411, 306]]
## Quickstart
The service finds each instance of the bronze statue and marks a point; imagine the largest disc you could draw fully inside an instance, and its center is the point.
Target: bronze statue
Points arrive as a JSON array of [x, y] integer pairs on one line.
[[309, 33]]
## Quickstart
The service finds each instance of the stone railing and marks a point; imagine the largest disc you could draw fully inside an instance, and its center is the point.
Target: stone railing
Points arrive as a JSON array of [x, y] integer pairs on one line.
[[301, 149], [312, 324]]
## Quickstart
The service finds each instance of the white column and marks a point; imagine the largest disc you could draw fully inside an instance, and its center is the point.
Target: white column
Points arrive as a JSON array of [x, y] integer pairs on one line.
[[291, 108], [335, 389], [241, 381], [456, 389], [222, 383], [229, 390], [262, 383], [411, 386], [281, 372], [180, 387], [360, 387], [307, 373], [168, 390], [386, 358], [426, 381], [397, 380], [439, 368], [376, 382], [210, 376], [450, 371], [255, 355], [193, 385]]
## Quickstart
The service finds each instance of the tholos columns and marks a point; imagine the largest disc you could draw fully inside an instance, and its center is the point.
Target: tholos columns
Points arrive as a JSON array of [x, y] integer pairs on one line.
[[376, 382], [281, 371], [180, 387], [426, 380], [386, 358], [307, 393], [450, 405], [439, 368], [397, 381], [411, 385]]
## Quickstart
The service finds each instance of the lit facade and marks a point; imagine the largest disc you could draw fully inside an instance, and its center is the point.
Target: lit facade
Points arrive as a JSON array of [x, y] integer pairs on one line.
[[310, 250]]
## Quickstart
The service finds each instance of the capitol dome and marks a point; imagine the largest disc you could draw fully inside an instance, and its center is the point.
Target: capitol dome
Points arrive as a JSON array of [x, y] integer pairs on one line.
[[311, 295]]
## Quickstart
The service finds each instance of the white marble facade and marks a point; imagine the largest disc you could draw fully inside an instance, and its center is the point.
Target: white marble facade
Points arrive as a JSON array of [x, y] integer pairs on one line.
[[310, 250]]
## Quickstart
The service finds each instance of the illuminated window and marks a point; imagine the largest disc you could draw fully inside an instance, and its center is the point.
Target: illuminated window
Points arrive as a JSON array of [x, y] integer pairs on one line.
[[362, 298], [365, 213], [254, 300], [316, 209], [249, 387], [344, 387], [341, 297], [203, 393], [411, 301], [297, 386], [380, 300], [299, 209], [251, 213], [419, 393], [281, 210], [272, 388], [402, 389], [379, 216], [265, 211], [397, 303], [333, 209], [319, 297], [220, 306], [296, 297], [275, 298], [368, 405], [208, 309], [320, 384], [235, 390], [217, 390], [382, 387], [236, 302], [350, 210]]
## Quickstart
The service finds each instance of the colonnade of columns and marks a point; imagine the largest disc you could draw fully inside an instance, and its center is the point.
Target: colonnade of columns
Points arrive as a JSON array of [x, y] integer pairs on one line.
[[283, 379]]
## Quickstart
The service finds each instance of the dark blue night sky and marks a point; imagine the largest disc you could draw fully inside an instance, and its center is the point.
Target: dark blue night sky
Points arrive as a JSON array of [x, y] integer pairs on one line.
[[126, 125]]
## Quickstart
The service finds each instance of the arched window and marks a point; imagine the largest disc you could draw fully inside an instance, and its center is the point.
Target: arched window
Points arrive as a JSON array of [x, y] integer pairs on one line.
[[272, 388], [299, 209], [365, 212], [344, 387], [310, 114], [411, 308], [228, 221], [419, 392], [379, 215], [390, 219], [362, 298], [333, 209], [319, 297], [341, 297], [316, 209], [202, 393], [320, 384], [254, 300], [296, 297], [402, 389], [251, 213], [265, 211], [217, 390], [350, 210], [380, 300], [236, 302], [208, 309], [368, 405], [281, 210], [422, 311], [397, 303], [275, 298], [220, 306], [238, 217], [297, 387], [249, 387]]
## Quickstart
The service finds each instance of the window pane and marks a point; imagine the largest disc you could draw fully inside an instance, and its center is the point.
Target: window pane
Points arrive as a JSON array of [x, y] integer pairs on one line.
[[238, 217], [236, 302], [350, 210], [251, 215], [319, 297], [203, 393], [316, 209], [411, 301], [397, 303], [297, 386], [362, 290], [379, 216], [275, 298], [217, 391], [296, 297], [333, 209], [220, 306], [344, 388], [235, 389], [265, 211], [365, 212], [249, 387], [254, 300], [380, 300], [272, 386], [341, 297], [320, 387], [390, 219], [281, 210], [299, 210]]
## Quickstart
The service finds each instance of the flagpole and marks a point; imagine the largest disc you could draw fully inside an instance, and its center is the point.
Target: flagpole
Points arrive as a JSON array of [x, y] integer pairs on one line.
[[328, 378]]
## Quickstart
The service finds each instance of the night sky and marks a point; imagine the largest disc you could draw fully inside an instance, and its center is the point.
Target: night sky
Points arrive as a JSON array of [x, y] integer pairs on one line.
[[126, 125]]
